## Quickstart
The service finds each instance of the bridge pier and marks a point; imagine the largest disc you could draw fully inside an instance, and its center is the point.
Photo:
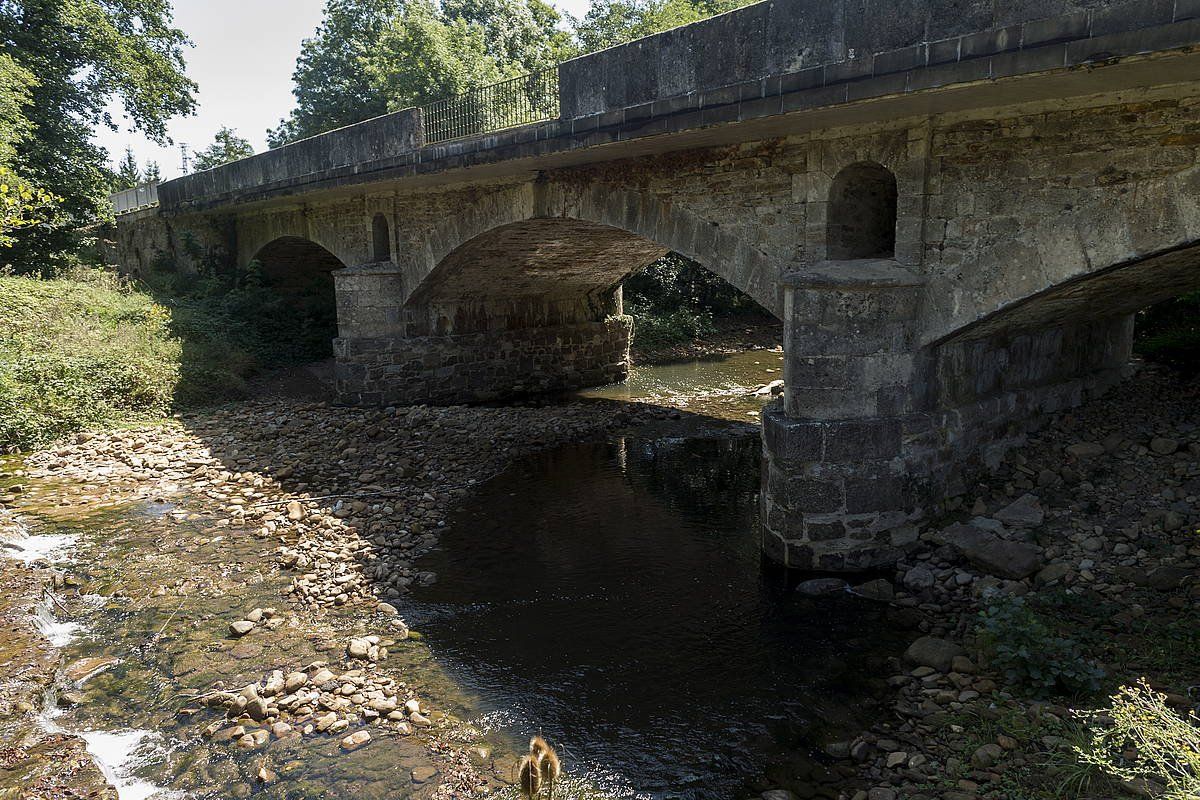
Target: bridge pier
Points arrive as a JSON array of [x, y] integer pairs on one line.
[[878, 428], [837, 494], [441, 353]]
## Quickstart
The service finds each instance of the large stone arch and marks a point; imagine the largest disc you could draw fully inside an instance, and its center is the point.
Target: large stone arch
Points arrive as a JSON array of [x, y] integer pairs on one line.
[[650, 224], [1112, 236]]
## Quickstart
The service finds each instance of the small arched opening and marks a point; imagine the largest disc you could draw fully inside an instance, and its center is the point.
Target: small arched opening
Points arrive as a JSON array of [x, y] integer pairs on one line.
[[862, 213], [381, 239], [298, 274]]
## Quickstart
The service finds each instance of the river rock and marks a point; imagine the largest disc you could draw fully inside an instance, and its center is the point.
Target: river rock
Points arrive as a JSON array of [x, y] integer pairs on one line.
[[293, 681], [355, 740], [819, 587], [1083, 450], [878, 589], [424, 774], [1163, 446], [83, 669], [241, 627], [929, 651], [778, 794], [987, 756], [358, 648], [1024, 512], [918, 578], [1000, 557]]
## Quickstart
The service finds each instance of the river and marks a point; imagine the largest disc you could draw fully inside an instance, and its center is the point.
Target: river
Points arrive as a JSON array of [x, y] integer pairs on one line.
[[608, 594]]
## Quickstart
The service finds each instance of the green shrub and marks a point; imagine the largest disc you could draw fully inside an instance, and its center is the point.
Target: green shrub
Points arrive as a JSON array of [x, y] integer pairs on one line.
[[80, 352], [1030, 654], [1140, 739], [1170, 333], [655, 330]]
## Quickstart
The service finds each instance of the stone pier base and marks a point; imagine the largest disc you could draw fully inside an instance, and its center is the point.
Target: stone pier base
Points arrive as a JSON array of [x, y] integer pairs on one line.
[[876, 431], [478, 367]]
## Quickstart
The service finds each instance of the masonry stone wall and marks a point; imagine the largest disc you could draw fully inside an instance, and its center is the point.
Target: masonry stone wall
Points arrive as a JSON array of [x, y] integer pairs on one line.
[[482, 366]]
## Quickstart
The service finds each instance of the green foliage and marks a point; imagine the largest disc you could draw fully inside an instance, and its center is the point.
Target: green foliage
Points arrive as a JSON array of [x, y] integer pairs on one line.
[[76, 353], [1140, 739], [1030, 654], [87, 54], [612, 22], [332, 86], [22, 203], [128, 174], [675, 301], [1170, 333], [227, 146], [369, 58]]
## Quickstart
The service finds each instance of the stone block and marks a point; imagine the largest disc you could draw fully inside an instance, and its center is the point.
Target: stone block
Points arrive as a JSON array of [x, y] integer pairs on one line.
[[815, 496], [861, 440], [790, 440]]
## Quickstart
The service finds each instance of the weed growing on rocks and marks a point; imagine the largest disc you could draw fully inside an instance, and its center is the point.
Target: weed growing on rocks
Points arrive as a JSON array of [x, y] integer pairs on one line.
[[1023, 648]]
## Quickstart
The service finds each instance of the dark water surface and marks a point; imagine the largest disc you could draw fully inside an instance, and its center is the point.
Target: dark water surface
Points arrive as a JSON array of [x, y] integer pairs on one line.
[[612, 596]]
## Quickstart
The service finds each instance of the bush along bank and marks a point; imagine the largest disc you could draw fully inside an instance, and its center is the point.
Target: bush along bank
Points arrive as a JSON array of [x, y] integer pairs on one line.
[[682, 310], [1059, 602], [90, 349], [79, 352]]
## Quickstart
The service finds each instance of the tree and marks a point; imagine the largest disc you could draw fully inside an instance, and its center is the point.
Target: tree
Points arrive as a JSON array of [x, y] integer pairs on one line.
[[612, 22], [22, 203], [332, 88], [152, 173], [371, 57], [226, 147], [85, 54], [128, 175]]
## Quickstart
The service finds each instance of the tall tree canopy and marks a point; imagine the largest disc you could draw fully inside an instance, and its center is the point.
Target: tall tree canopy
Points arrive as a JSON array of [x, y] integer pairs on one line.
[[332, 87], [22, 203], [612, 22], [84, 54], [368, 58], [227, 146]]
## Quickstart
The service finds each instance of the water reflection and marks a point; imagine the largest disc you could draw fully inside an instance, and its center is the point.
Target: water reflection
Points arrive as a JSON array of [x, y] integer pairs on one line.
[[613, 597]]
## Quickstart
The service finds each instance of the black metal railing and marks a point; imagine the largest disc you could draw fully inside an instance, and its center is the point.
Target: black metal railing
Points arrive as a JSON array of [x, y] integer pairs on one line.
[[516, 101]]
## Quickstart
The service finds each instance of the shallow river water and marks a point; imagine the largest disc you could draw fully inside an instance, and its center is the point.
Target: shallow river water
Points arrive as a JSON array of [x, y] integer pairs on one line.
[[610, 595]]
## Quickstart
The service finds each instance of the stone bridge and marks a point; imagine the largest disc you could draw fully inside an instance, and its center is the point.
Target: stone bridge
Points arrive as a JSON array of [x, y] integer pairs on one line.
[[955, 206]]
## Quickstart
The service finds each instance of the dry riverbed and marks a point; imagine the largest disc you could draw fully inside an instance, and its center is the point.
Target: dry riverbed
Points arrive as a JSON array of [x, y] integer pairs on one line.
[[235, 571]]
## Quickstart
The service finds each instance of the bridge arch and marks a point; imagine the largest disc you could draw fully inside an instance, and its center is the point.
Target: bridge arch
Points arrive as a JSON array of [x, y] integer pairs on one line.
[[617, 230], [1099, 255], [300, 272]]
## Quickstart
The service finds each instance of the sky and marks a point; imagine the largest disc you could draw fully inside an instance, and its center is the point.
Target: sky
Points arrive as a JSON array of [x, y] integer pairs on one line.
[[244, 54]]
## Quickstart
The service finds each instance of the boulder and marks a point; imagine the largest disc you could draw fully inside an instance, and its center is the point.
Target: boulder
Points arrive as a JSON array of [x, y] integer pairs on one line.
[[820, 587], [996, 556], [929, 651], [1024, 512]]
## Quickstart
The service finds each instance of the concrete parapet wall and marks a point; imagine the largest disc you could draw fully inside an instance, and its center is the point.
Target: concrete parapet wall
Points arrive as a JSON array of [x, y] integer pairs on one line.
[[483, 366], [371, 142]]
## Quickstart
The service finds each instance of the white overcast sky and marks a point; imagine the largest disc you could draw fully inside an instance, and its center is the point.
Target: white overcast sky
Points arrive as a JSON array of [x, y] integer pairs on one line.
[[244, 54]]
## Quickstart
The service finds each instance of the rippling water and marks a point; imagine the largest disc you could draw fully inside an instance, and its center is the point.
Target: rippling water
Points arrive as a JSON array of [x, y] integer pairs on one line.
[[612, 596]]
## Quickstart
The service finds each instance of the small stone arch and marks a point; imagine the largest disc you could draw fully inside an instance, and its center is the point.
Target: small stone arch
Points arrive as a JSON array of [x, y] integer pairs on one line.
[[861, 221], [301, 271], [381, 239]]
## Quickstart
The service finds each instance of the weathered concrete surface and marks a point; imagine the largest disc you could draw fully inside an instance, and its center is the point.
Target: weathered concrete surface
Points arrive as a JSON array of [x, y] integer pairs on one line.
[[955, 222]]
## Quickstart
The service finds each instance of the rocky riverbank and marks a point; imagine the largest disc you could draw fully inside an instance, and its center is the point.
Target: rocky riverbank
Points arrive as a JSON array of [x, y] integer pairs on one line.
[[733, 335], [34, 763], [257, 552], [260, 543], [1072, 570]]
